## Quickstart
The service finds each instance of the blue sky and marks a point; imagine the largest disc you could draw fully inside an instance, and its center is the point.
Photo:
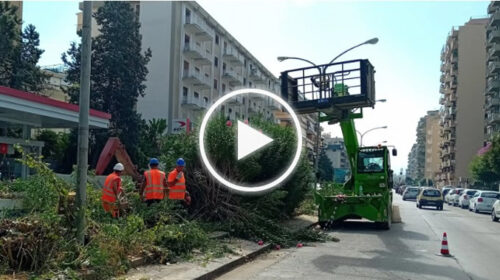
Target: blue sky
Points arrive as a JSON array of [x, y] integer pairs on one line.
[[407, 57]]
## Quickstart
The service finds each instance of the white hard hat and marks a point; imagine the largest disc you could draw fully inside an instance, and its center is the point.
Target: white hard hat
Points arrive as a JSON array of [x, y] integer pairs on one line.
[[118, 167]]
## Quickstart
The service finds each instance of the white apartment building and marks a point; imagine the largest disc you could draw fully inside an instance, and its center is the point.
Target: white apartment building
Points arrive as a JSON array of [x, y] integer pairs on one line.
[[194, 62]]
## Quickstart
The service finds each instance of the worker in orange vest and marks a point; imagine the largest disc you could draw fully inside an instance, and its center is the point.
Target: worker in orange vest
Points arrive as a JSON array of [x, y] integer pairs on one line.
[[154, 185], [112, 191], [177, 183]]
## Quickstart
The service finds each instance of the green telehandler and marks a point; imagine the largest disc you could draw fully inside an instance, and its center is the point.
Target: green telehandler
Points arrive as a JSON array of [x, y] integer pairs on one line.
[[338, 92]]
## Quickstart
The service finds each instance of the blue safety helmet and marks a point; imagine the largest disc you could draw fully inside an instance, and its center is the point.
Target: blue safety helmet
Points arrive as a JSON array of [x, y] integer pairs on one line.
[[154, 161], [180, 162]]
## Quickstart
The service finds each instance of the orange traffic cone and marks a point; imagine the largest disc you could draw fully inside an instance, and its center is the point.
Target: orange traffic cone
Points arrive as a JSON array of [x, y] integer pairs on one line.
[[444, 246]]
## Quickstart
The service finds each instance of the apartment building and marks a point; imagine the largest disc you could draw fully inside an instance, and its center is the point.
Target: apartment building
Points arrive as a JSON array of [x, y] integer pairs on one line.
[[336, 152], [463, 80], [432, 166], [492, 91], [416, 158], [195, 61]]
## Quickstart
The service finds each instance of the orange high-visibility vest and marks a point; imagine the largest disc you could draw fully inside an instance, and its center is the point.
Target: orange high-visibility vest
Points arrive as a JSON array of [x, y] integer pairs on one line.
[[178, 190], [112, 186], [154, 184]]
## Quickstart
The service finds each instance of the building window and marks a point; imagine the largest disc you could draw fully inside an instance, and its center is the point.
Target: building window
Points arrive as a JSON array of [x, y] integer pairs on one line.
[[137, 10], [186, 40], [216, 39], [230, 110], [245, 62], [244, 81], [186, 67], [223, 66], [196, 95], [197, 70], [223, 88], [215, 83], [185, 91], [249, 84], [188, 16], [222, 108], [243, 100], [216, 61], [205, 99]]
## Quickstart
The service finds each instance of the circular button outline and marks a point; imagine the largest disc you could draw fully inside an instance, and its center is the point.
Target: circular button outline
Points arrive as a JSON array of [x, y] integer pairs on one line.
[[259, 189]]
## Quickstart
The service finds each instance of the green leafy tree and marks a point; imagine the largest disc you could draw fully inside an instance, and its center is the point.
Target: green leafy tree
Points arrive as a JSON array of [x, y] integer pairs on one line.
[[117, 75], [19, 53], [325, 167], [485, 168], [9, 38], [151, 139]]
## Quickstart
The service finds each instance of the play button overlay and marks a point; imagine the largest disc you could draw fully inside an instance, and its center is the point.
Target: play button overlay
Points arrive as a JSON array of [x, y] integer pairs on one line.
[[250, 140]]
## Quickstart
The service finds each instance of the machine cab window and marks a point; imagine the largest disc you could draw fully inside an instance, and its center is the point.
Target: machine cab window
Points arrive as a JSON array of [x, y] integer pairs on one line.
[[371, 161]]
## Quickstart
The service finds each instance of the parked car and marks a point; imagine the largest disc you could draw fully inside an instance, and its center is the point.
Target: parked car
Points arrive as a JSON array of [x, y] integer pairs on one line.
[[482, 201], [455, 194], [495, 211], [410, 193], [448, 196], [430, 197], [445, 190], [463, 200]]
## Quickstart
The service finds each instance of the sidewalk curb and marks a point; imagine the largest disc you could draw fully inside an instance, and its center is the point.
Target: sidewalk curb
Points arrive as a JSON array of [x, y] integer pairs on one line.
[[234, 264], [225, 268]]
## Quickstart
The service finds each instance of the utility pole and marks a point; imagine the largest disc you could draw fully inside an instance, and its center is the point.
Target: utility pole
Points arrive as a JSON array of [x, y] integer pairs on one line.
[[83, 124]]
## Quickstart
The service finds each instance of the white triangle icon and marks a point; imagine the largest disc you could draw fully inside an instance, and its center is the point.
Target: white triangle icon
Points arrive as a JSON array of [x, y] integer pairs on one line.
[[250, 140]]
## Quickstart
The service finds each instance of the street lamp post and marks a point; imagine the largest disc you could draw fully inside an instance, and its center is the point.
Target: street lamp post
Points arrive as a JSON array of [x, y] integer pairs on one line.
[[361, 135], [322, 72]]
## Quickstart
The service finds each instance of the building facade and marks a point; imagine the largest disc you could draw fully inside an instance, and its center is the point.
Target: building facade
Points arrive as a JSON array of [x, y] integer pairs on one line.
[[194, 62], [432, 166], [463, 80], [334, 149], [492, 91]]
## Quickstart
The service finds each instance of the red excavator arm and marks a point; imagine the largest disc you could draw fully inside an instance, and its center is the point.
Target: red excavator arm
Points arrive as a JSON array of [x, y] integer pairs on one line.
[[115, 148]]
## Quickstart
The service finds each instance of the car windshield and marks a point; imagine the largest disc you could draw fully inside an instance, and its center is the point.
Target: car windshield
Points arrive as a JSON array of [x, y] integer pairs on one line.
[[412, 190], [490, 195], [471, 192], [371, 161], [432, 193]]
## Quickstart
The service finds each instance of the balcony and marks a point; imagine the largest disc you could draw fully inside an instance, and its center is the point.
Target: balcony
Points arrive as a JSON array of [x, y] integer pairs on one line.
[[494, 67], [493, 118], [233, 56], [256, 75], [494, 50], [495, 19], [492, 7], [196, 25], [441, 101], [493, 85], [198, 53], [253, 108], [237, 101], [196, 79], [492, 102], [494, 36], [191, 102], [273, 104], [442, 78], [232, 77]]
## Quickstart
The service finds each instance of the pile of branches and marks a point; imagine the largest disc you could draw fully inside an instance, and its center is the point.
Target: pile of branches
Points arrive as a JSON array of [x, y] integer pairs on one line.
[[27, 244]]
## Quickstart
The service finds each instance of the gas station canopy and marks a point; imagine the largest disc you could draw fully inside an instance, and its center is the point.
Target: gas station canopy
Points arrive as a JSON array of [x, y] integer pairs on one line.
[[19, 108]]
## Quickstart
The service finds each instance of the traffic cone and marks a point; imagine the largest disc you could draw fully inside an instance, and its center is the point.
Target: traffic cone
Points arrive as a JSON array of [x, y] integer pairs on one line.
[[444, 246]]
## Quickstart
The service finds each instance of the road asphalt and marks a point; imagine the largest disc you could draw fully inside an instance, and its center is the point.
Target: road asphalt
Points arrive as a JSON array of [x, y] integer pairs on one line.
[[410, 250]]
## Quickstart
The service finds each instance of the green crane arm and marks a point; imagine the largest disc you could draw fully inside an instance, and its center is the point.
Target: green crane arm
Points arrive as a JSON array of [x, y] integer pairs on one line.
[[351, 142]]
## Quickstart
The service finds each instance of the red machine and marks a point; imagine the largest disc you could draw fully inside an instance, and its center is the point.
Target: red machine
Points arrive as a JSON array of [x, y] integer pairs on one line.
[[115, 148]]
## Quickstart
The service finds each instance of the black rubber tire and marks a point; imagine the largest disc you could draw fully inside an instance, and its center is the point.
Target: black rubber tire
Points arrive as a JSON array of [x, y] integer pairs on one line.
[[420, 206], [475, 209], [494, 217], [386, 225]]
